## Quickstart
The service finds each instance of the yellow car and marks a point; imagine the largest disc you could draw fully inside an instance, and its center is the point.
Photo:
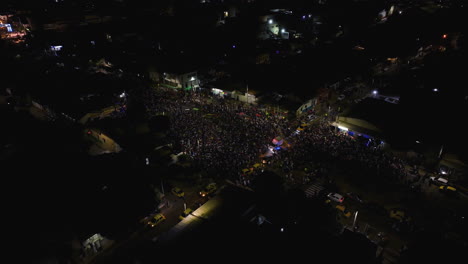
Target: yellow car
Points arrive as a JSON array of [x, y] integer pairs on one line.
[[302, 127], [342, 209], [178, 192], [447, 188], [158, 218], [208, 190], [397, 215], [185, 213]]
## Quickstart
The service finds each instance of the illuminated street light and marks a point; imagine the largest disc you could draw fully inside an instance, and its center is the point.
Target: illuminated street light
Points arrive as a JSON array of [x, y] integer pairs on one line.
[[417, 141], [355, 217], [374, 92], [270, 21], [435, 90], [283, 30]]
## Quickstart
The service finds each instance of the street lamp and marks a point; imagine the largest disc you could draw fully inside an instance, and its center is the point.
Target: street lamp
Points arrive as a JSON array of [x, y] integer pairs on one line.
[[374, 92], [355, 217], [283, 30], [270, 21], [435, 90]]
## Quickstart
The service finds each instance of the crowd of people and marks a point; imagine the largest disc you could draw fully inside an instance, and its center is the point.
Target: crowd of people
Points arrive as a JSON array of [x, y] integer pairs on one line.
[[224, 136], [325, 143]]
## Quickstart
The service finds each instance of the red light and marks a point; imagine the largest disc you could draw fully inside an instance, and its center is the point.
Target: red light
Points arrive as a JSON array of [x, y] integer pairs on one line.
[[89, 132], [444, 36]]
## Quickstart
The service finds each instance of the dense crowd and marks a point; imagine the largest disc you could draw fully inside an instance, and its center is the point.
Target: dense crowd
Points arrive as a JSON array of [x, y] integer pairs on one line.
[[323, 142], [222, 136], [225, 136]]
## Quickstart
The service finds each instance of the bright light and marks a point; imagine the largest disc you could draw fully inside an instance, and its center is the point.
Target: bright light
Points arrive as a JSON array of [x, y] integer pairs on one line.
[[444, 36], [283, 30], [400, 12], [417, 141], [270, 21], [303, 17], [374, 92], [233, 46], [343, 128], [435, 90], [192, 79], [122, 95], [282, 229]]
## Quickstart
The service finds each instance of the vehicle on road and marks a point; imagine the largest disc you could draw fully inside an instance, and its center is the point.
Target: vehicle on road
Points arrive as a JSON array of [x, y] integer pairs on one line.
[[343, 210], [302, 127], [178, 192], [336, 197], [156, 219], [447, 188], [185, 213], [439, 180], [355, 197], [209, 189], [399, 214]]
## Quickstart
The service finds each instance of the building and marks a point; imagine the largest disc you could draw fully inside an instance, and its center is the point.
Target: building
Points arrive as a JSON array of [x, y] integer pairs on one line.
[[183, 80]]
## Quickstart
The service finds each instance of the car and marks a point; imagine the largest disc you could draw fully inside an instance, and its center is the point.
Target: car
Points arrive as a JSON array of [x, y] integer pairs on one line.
[[355, 197], [208, 190], [178, 192], [439, 180], [156, 219], [398, 214], [447, 188], [343, 210], [336, 197], [185, 213], [302, 127]]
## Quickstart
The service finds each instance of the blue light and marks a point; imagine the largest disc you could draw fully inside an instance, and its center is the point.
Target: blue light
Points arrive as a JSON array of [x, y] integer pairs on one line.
[[365, 136], [8, 26], [277, 148]]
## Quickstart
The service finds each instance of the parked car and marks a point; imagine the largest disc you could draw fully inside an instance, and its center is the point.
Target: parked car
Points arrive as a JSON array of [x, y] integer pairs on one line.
[[209, 189], [397, 214], [178, 192], [439, 180], [336, 197], [156, 219], [355, 197], [447, 188], [343, 210], [185, 213]]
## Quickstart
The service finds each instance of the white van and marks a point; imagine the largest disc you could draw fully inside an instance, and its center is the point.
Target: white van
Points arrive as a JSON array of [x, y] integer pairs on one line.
[[439, 180], [336, 197]]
